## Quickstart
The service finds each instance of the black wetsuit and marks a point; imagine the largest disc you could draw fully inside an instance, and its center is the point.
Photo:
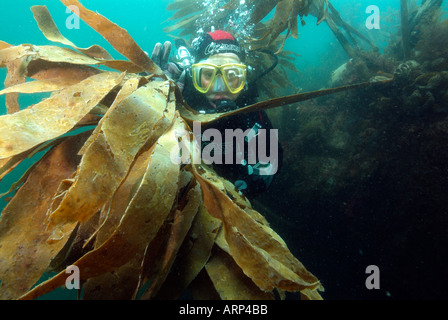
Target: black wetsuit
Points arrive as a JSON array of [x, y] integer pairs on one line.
[[242, 174]]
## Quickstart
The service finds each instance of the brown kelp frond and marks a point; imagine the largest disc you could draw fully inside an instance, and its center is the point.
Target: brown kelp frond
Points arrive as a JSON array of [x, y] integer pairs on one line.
[[24, 249], [191, 115], [54, 116], [4, 45], [15, 160], [60, 67], [286, 17], [163, 250], [52, 33], [117, 37], [254, 246], [146, 211], [194, 253], [124, 130]]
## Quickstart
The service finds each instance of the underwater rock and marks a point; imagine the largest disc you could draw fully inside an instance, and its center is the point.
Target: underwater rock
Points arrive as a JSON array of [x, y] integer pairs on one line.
[[435, 81], [439, 64], [429, 91], [339, 140], [445, 99], [429, 101], [338, 74], [362, 68], [416, 97], [433, 46], [406, 70]]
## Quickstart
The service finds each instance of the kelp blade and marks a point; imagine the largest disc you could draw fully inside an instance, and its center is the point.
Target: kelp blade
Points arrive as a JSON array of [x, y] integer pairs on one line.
[[117, 37], [4, 45], [24, 250], [38, 86], [145, 214], [137, 120], [54, 116], [191, 115], [15, 75], [229, 280], [164, 249], [52, 33], [121, 283], [255, 247], [192, 256]]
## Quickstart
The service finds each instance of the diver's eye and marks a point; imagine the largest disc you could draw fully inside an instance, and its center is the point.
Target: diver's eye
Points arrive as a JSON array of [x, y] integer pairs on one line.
[[232, 74], [207, 74]]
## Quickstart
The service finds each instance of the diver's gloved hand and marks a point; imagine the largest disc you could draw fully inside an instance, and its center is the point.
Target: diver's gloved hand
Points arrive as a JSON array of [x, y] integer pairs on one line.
[[160, 55]]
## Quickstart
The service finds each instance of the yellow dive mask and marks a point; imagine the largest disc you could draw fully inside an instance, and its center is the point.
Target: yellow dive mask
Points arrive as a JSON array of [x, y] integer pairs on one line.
[[205, 75]]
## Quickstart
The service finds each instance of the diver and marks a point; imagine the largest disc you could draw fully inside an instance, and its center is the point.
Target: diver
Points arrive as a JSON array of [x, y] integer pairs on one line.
[[212, 76]]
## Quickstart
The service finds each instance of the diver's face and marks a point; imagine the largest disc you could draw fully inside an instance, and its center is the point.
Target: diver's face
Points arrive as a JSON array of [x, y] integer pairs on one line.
[[219, 90]]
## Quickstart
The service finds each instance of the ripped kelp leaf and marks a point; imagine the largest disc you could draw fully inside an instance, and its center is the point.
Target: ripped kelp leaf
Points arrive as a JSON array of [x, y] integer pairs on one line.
[[122, 282], [59, 71]]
